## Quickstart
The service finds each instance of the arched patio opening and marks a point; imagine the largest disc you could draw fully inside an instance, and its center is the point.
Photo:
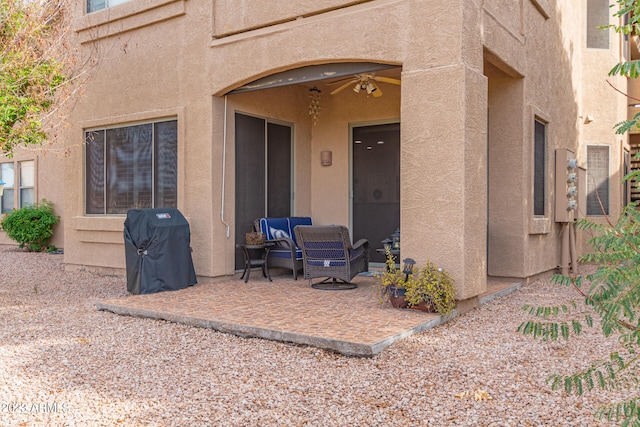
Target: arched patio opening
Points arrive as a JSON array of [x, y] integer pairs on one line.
[[350, 100]]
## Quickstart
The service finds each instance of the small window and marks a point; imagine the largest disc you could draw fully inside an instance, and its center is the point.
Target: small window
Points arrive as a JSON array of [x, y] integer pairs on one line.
[[597, 15], [626, 189], [539, 168], [27, 183], [95, 5], [131, 167], [7, 198], [597, 180]]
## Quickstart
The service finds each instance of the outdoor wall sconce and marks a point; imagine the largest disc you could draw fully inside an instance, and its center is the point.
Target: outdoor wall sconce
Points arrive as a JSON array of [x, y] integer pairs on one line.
[[408, 267], [325, 158], [395, 239], [2, 183]]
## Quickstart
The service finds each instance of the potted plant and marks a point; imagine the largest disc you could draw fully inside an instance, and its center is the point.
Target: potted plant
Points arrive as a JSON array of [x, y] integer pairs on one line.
[[429, 288], [392, 283]]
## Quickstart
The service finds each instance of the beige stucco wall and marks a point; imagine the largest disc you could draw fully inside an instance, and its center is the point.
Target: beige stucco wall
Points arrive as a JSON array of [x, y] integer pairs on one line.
[[49, 183], [475, 75]]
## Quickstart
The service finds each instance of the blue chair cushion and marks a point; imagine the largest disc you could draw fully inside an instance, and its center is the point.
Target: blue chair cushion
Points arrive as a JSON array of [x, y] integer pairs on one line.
[[284, 253], [327, 263], [295, 221]]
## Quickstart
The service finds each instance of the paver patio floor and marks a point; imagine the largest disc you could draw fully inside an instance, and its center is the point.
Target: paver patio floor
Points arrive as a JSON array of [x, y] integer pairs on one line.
[[351, 322]]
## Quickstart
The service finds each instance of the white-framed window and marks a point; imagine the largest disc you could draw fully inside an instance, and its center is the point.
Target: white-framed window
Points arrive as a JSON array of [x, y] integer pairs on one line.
[[597, 180], [131, 167], [27, 183], [26, 194], [7, 200], [95, 5]]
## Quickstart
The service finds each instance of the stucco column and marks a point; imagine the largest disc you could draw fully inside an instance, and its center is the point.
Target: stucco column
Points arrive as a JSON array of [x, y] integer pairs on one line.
[[444, 172]]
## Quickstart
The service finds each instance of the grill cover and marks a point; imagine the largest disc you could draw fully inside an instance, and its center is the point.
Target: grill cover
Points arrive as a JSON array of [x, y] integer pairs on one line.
[[157, 246]]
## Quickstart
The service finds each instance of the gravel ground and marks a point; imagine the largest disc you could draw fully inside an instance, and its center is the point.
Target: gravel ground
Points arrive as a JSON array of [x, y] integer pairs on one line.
[[62, 362]]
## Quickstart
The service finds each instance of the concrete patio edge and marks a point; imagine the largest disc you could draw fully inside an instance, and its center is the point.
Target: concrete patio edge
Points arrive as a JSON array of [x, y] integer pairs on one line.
[[347, 348], [356, 346]]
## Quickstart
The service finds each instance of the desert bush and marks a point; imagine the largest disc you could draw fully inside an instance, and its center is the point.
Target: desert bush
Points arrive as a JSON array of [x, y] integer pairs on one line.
[[31, 226]]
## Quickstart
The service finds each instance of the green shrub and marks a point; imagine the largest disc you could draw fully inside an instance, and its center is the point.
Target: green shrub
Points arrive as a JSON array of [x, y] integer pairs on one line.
[[31, 226]]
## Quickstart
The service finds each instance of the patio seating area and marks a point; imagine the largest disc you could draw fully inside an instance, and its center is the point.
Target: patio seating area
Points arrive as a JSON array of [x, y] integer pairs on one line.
[[350, 322]]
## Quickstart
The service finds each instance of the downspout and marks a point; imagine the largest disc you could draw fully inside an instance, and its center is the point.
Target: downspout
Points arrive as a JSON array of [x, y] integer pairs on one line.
[[572, 248], [565, 254], [224, 163]]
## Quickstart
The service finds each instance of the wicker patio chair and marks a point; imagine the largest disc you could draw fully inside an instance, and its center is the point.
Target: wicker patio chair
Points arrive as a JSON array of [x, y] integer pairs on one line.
[[327, 252]]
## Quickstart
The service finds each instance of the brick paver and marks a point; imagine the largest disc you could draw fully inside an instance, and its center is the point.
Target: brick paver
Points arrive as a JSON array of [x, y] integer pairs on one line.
[[351, 322]]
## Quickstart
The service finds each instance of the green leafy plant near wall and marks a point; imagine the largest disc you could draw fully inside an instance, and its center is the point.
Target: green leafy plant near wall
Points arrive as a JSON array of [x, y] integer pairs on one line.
[[430, 286], [31, 226], [611, 294]]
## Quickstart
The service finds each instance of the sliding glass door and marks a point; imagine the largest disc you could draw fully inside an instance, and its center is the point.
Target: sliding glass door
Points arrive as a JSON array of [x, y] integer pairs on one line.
[[263, 173], [376, 184]]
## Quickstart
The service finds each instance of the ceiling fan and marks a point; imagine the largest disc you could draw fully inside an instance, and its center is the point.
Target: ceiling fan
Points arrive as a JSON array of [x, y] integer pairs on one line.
[[365, 82]]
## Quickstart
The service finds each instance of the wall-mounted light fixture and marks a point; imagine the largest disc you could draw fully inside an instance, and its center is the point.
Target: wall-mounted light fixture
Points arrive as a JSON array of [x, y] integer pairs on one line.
[[325, 158]]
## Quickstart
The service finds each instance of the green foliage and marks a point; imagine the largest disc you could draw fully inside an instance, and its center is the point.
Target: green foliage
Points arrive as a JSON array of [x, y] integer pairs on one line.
[[31, 226], [430, 285], [612, 293], [626, 10], [30, 74]]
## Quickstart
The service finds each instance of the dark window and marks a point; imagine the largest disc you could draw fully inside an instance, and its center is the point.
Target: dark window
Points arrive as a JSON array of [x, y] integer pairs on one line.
[[263, 173], [539, 168], [626, 196], [597, 15], [597, 180], [131, 167]]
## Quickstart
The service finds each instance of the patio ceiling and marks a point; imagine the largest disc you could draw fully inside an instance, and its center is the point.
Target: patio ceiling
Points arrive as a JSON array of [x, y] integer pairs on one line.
[[322, 72]]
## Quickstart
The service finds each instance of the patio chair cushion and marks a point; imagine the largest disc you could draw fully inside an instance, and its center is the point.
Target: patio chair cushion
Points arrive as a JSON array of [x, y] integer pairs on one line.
[[285, 252], [282, 228], [327, 252]]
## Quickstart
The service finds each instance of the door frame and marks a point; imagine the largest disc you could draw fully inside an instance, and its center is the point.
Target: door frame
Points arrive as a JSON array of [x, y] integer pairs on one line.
[[352, 125]]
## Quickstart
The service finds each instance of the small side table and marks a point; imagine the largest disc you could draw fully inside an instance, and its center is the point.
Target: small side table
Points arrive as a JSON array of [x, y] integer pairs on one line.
[[255, 256]]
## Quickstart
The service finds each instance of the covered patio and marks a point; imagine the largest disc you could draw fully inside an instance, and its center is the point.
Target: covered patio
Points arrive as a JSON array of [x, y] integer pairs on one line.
[[349, 322]]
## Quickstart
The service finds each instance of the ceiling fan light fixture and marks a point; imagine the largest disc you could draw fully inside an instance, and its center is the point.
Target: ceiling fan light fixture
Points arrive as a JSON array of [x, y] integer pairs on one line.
[[356, 88], [371, 87]]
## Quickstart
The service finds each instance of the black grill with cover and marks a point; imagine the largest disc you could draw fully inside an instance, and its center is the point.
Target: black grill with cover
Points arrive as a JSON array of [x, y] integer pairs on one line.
[[158, 251]]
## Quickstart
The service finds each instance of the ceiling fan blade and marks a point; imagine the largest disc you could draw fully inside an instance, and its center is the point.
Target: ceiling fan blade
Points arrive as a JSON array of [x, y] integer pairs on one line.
[[387, 80], [344, 86], [376, 93], [337, 82]]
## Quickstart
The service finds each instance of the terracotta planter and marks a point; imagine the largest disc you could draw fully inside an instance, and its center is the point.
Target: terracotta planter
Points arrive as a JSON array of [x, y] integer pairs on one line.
[[428, 307], [396, 297]]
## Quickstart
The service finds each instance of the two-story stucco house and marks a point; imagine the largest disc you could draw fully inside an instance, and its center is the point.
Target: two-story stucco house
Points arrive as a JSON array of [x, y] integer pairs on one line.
[[437, 118]]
